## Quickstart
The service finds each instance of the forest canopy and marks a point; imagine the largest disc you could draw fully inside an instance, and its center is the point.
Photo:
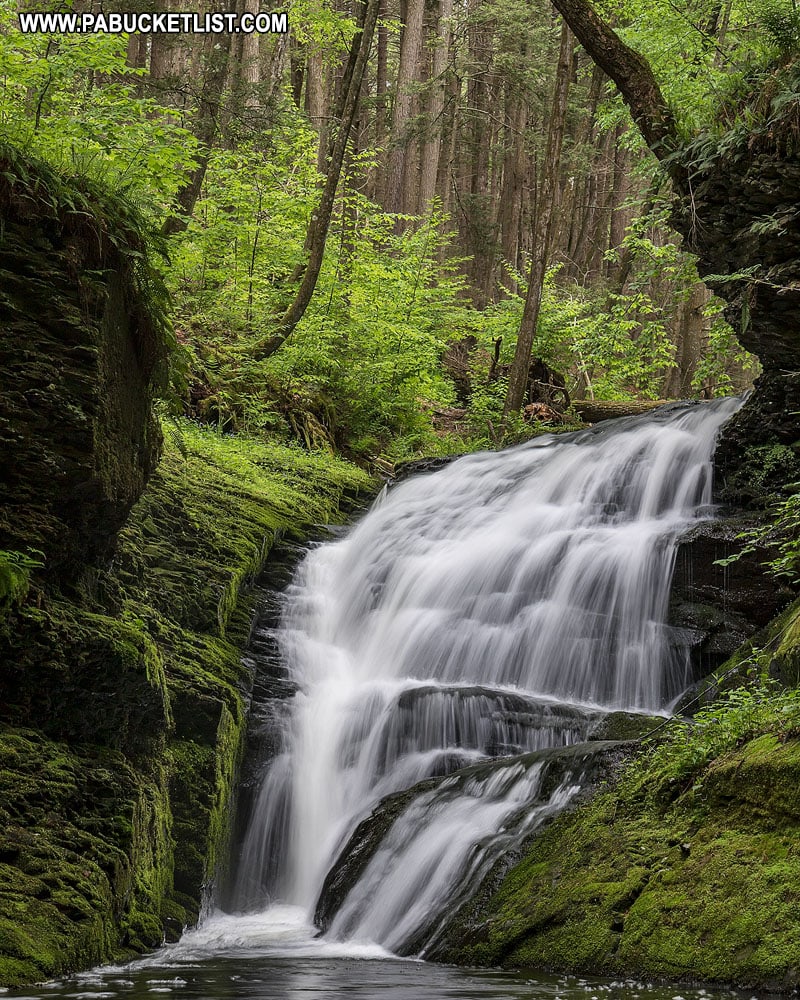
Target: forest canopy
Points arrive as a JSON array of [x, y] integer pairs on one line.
[[349, 217]]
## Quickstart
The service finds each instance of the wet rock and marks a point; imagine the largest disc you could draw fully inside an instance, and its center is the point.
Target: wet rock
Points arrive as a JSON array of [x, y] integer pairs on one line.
[[592, 761], [720, 607], [420, 466], [624, 726]]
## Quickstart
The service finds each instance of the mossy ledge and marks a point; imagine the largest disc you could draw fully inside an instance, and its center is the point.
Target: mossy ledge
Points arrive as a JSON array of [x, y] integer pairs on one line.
[[127, 706], [128, 554], [686, 866]]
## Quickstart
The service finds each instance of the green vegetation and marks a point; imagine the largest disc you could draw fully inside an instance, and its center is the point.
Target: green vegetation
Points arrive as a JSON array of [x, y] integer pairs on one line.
[[780, 535], [15, 577], [684, 866], [362, 372], [97, 789], [159, 200]]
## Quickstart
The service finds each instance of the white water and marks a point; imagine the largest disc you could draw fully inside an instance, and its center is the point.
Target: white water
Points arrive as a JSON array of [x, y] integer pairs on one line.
[[486, 610]]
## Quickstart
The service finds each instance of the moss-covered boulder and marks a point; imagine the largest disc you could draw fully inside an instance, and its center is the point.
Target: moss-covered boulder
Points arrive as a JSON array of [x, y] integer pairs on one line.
[[124, 705], [124, 611], [686, 866]]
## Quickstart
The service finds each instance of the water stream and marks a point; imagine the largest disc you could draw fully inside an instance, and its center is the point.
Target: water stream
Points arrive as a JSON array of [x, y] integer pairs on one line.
[[465, 637], [494, 608]]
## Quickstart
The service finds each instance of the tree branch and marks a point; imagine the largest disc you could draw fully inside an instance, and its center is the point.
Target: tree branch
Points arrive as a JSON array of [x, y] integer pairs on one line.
[[632, 74]]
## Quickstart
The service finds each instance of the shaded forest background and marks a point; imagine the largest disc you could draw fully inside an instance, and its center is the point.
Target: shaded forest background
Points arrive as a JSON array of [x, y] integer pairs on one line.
[[488, 193]]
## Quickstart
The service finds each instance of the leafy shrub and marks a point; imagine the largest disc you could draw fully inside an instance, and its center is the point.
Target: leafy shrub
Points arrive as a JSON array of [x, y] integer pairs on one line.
[[740, 715]]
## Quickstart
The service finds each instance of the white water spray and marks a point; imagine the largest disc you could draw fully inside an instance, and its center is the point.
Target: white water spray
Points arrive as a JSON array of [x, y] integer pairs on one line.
[[489, 609]]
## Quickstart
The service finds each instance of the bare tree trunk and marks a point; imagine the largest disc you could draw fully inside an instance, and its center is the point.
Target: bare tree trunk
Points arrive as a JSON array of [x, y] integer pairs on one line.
[[584, 190], [297, 70], [377, 186], [513, 176], [407, 74], [205, 128], [447, 158], [620, 214], [250, 68], [273, 58], [171, 58], [320, 221], [315, 103], [518, 376], [432, 147], [691, 332], [632, 74]]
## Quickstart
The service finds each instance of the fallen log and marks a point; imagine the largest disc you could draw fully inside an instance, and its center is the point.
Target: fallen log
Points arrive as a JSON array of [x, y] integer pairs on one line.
[[594, 410]]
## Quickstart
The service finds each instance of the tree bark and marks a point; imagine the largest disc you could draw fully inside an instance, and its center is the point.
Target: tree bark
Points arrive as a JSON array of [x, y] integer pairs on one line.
[[320, 221], [377, 185], [632, 74], [513, 176], [518, 376], [407, 74], [592, 411], [432, 147]]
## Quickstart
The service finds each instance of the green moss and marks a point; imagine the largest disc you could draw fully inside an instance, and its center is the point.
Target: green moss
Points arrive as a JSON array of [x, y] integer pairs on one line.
[[694, 880], [114, 819], [80, 848], [15, 578]]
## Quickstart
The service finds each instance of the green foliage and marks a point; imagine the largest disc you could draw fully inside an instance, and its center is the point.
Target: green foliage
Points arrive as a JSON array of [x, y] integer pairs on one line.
[[628, 347], [708, 61], [721, 349], [15, 576], [367, 351], [72, 100], [780, 19], [780, 535], [738, 716], [618, 344]]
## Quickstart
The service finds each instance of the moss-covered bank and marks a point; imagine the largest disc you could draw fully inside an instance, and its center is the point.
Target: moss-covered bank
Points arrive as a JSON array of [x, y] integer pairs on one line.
[[687, 868], [124, 698]]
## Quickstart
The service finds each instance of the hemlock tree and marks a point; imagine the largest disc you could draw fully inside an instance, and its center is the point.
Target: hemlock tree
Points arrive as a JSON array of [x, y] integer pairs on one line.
[[731, 193]]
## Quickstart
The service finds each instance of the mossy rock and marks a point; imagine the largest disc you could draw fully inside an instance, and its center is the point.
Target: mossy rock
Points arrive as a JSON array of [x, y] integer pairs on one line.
[[85, 844], [133, 690], [701, 887]]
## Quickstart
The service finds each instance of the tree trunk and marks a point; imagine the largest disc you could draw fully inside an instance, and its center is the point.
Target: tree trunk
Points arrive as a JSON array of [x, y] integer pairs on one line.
[[205, 128], [592, 411], [518, 376], [513, 176], [620, 214], [320, 221], [315, 103], [408, 73], [432, 147], [632, 74], [377, 185]]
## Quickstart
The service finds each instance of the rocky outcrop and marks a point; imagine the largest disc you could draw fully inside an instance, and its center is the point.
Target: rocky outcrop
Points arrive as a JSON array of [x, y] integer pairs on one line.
[[715, 608], [83, 348], [123, 688], [739, 213], [124, 709], [682, 879], [592, 760]]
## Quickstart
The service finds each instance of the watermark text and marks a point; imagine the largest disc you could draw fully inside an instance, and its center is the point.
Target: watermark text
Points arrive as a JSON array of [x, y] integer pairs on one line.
[[172, 23]]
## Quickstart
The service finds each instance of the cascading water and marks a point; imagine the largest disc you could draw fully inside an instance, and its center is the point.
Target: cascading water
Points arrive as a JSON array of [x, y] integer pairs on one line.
[[491, 609]]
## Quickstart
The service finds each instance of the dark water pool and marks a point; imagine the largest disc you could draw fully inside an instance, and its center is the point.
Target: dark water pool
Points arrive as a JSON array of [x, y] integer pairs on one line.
[[275, 956]]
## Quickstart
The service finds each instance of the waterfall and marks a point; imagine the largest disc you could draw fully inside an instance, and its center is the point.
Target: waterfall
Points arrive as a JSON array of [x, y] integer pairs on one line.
[[475, 616]]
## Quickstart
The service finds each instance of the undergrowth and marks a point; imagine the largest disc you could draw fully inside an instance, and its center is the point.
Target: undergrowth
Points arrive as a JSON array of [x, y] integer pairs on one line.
[[739, 716]]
